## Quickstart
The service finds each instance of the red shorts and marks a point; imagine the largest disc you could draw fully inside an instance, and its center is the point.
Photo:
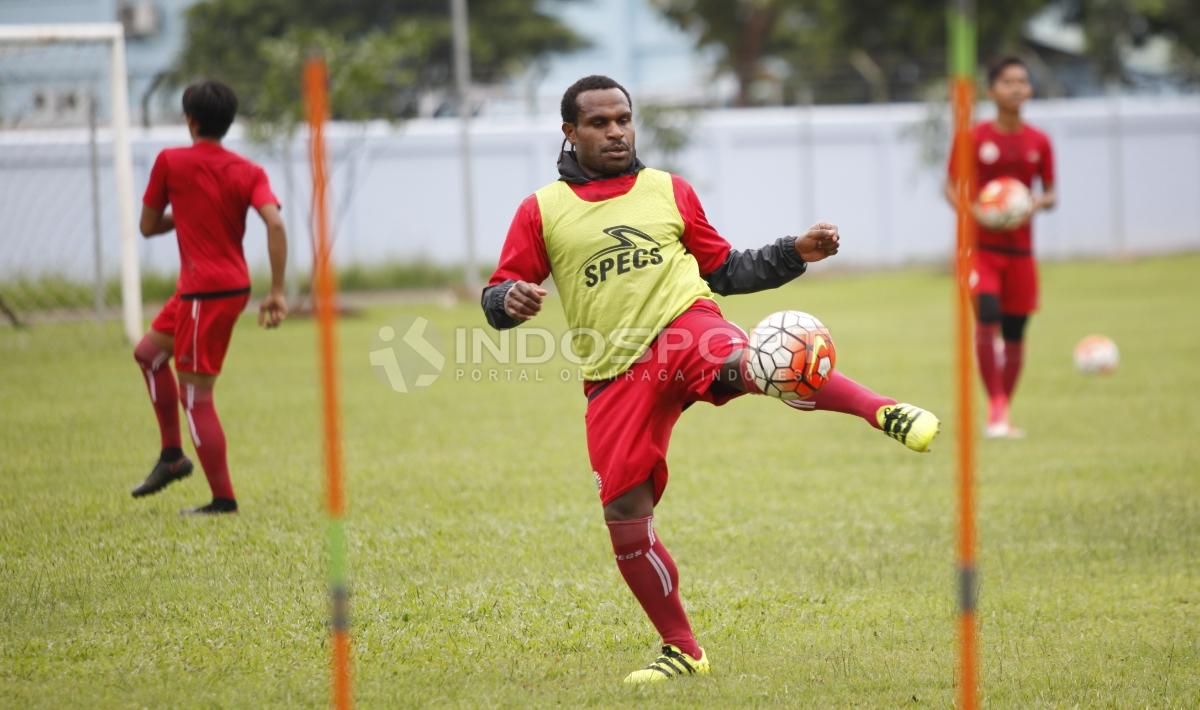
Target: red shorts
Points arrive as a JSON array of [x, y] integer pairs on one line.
[[1011, 277], [630, 417], [202, 328]]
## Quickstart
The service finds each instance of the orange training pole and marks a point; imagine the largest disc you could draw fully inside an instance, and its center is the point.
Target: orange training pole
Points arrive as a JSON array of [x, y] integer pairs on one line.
[[316, 103], [962, 62]]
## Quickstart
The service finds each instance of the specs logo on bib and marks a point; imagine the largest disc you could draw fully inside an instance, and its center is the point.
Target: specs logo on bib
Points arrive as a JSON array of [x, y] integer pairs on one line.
[[634, 250]]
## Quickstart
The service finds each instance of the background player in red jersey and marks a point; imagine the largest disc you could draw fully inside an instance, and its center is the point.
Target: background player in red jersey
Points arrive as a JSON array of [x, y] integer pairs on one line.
[[635, 260], [1003, 271], [209, 190]]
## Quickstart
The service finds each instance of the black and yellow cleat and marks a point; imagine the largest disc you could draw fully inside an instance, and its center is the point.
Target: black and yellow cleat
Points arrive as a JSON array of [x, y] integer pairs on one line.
[[164, 474], [673, 663], [909, 424]]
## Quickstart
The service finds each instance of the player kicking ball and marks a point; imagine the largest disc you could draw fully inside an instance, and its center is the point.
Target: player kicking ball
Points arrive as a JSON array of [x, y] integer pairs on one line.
[[636, 264], [209, 190]]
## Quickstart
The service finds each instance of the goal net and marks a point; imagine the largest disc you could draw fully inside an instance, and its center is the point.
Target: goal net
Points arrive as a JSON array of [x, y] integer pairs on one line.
[[68, 237]]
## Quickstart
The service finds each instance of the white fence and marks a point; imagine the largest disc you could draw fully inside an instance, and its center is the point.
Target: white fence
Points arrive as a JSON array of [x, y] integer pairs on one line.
[[1128, 180]]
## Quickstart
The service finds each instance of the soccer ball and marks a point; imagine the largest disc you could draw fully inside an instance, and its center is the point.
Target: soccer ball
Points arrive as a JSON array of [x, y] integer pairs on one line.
[[1096, 354], [790, 355], [1004, 203]]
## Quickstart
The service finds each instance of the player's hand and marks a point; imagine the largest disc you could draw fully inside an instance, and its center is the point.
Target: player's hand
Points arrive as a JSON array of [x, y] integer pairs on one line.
[[1041, 202], [524, 300], [821, 240], [273, 309]]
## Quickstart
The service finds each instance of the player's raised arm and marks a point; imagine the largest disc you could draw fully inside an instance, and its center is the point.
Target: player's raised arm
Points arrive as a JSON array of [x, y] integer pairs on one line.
[[730, 271], [524, 300], [822, 240], [513, 295], [273, 308]]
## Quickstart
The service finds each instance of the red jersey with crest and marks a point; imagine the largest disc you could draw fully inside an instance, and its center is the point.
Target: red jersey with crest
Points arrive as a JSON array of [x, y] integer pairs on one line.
[[209, 190], [1023, 155]]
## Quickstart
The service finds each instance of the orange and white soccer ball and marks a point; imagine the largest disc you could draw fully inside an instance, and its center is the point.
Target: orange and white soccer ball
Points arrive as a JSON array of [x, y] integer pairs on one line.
[[1004, 203], [1096, 354], [790, 355]]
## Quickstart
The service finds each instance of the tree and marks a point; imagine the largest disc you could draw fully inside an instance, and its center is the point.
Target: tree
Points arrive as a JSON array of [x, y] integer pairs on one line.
[[905, 42], [1179, 21], [839, 51], [746, 32], [382, 55], [1114, 26]]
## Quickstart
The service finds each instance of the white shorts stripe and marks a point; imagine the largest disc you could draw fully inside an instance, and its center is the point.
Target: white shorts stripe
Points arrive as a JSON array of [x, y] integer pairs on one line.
[[195, 334], [191, 402], [804, 405], [659, 567], [192, 428]]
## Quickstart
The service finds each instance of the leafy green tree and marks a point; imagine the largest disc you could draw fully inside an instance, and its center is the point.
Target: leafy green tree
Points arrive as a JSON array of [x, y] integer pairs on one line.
[[1178, 21], [1112, 26], [831, 50], [839, 51], [901, 46], [382, 55], [745, 31]]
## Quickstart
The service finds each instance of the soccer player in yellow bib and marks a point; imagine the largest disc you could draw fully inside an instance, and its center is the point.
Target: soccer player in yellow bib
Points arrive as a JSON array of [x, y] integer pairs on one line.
[[636, 264]]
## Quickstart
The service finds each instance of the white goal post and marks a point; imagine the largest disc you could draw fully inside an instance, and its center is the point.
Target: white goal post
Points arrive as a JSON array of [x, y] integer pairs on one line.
[[112, 34]]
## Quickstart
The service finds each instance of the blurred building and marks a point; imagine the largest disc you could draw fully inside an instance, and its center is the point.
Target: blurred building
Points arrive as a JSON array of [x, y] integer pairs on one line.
[[44, 87]]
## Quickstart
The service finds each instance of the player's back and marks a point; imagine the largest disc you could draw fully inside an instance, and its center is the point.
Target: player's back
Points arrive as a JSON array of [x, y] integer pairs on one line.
[[210, 189]]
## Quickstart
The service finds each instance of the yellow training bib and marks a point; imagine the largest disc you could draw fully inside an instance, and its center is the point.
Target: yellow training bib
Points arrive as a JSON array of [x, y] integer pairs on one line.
[[620, 267]]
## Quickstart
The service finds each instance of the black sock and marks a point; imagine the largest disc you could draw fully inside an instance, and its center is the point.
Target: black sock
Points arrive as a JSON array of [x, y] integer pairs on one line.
[[171, 454]]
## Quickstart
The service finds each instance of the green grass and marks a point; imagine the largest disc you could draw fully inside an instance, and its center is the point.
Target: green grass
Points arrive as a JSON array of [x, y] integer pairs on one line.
[[816, 555]]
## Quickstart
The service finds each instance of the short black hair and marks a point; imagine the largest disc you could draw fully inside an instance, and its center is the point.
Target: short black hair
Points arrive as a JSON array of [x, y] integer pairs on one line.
[[570, 100], [1003, 63], [212, 105]]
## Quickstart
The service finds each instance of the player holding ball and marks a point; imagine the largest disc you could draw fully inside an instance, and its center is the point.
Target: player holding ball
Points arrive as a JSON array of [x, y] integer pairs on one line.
[[1003, 271]]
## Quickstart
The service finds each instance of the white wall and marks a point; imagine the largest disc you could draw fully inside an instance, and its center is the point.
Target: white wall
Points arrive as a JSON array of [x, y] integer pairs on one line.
[[1128, 174]]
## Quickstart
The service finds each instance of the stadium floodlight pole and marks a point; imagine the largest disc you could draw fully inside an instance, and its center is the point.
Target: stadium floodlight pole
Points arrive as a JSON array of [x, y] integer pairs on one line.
[[961, 21], [316, 102], [462, 85], [114, 34]]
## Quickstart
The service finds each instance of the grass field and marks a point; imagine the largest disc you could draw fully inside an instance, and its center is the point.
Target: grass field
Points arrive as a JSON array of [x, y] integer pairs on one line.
[[816, 555]]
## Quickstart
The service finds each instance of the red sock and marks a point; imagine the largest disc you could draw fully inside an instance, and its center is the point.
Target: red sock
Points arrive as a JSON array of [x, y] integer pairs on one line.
[[1014, 355], [209, 439], [985, 353], [651, 574], [842, 394], [160, 382]]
